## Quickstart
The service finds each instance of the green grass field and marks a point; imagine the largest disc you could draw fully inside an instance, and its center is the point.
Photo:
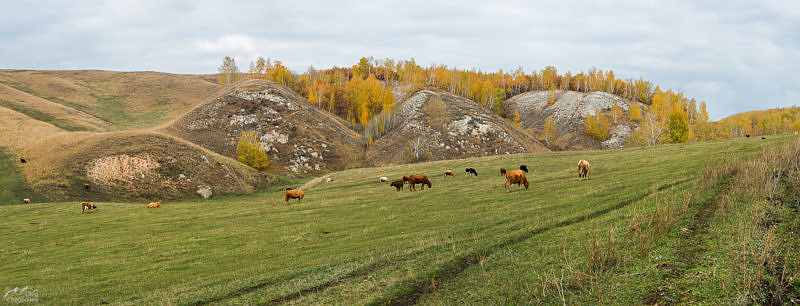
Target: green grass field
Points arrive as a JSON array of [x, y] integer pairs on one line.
[[356, 241]]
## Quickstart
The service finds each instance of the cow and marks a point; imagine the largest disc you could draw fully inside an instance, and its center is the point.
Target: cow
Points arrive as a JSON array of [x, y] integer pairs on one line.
[[418, 179], [469, 171], [524, 168], [449, 173], [383, 179], [22, 160], [154, 204], [87, 187], [516, 177], [502, 171], [583, 169], [87, 206], [397, 184], [762, 137], [294, 194], [26, 201]]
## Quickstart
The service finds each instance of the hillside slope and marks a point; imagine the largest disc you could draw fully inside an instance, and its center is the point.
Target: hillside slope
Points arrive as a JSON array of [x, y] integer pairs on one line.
[[93, 100], [568, 113], [130, 165], [436, 125], [298, 137]]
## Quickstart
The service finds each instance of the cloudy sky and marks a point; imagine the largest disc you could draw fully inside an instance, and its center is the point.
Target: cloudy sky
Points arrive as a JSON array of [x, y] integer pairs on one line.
[[736, 55]]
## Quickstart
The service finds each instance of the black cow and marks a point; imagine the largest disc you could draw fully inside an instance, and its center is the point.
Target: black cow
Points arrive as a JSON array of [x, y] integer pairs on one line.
[[524, 168], [469, 171]]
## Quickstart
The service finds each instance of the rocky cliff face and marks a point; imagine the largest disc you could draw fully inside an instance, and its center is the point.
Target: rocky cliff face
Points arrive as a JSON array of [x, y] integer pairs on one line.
[[568, 112], [298, 137], [435, 125]]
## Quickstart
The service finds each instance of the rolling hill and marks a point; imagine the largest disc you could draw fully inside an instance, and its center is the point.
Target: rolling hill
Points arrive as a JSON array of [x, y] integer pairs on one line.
[[436, 125], [568, 110], [73, 126], [298, 137]]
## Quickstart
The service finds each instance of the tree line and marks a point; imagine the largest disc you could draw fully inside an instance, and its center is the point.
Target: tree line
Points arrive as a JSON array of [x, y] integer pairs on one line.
[[361, 92]]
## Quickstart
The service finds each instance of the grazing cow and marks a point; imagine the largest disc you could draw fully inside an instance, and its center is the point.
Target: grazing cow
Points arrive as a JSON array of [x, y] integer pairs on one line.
[[397, 184], [748, 135], [154, 204], [583, 169], [294, 194], [524, 168], [418, 179], [22, 160], [449, 173], [502, 171], [26, 201], [86, 187], [87, 206], [516, 177], [469, 171], [383, 179]]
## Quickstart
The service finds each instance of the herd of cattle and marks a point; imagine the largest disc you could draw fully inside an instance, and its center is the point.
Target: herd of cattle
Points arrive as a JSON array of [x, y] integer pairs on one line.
[[512, 177]]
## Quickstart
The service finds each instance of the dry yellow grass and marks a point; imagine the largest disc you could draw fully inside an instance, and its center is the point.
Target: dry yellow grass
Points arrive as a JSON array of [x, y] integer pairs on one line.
[[49, 111], [127, 100], [17, 130]]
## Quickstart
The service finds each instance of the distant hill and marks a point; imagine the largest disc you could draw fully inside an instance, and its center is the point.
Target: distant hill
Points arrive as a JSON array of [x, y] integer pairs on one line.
[[435, 125], [568, 112], [59, 121], [92, 100], [298, 137]]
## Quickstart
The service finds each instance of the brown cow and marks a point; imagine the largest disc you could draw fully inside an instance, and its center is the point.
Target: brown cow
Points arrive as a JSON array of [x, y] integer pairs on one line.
[[86, 187], [154, 204], [516, 177], [583, 169], [417, 179], [294, 194], [397, 184], [449, 173], [26, 201], [502, 171], [87, 206]]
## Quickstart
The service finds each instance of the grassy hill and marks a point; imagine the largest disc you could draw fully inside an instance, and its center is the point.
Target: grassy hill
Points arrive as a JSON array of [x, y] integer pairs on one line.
[[94, 100], [624, 236]]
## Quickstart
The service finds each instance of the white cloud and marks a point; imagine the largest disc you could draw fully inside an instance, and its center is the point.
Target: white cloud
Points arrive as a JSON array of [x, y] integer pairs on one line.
[[736, 55]]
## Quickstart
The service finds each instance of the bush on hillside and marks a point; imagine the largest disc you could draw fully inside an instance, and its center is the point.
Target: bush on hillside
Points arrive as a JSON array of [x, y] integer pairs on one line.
[[249, 150]]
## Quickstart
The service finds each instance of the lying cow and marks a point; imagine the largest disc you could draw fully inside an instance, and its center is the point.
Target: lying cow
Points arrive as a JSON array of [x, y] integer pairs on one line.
[[449, 173], [154, 204], [294, 194], [383, 179], [516, 177], [87, 206], [26, 201], [583, 169]]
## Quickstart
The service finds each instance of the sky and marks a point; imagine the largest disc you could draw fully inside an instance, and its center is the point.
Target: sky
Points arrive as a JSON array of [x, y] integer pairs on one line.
[[735, 55]]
